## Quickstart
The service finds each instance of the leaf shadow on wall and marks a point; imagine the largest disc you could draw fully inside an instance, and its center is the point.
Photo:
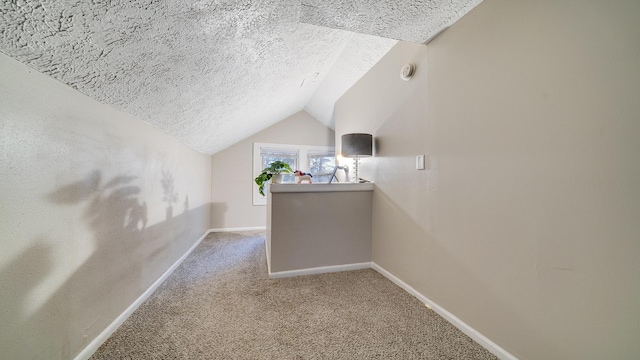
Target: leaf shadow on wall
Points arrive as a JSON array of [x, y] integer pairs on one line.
[[128, 256], [170, 196], [112, 206]]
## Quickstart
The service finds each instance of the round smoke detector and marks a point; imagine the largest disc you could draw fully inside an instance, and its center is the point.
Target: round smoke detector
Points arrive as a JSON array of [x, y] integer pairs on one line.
[[407, 71]]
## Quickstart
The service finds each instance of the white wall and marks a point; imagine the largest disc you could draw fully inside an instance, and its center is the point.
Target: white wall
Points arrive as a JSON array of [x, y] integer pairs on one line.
[[86, 225], [525, 224], [232, 180]]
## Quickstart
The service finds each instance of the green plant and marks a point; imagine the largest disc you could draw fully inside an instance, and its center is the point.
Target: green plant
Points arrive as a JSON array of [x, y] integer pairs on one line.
[[274, 168]]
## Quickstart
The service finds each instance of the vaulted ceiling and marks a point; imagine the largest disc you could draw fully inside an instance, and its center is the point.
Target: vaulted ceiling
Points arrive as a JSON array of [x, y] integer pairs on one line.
[[213, 72]]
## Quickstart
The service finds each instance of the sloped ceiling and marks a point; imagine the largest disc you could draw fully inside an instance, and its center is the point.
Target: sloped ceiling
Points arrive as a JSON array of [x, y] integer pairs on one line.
[[213, 72]]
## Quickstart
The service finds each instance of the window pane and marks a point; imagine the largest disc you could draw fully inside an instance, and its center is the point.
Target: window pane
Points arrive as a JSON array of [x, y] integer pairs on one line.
[[288, 178], [268, 159], [321, 167], [321, 178]]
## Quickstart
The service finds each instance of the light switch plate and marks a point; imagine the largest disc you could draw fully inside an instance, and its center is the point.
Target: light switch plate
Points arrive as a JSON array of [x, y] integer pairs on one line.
[[420, 162]]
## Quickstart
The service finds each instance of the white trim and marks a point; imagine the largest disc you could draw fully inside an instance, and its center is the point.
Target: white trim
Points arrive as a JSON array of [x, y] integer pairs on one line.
[[492, 347], [255, 228], [319, 270], [321, 187], [106, 333]]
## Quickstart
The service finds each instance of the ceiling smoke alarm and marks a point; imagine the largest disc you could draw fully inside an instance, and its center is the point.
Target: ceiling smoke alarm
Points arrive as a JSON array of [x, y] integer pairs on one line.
[[407, 71]]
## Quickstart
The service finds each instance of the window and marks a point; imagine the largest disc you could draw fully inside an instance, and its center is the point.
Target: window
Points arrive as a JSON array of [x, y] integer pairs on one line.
[[269, 155], [317, 160], [321, 166]]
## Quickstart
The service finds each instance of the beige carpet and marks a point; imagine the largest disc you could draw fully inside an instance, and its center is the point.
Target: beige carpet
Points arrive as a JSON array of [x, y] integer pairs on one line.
[[220, 304]]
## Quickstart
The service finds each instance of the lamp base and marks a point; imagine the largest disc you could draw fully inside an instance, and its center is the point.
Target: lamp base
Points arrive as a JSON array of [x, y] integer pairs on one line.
[[356, 177]]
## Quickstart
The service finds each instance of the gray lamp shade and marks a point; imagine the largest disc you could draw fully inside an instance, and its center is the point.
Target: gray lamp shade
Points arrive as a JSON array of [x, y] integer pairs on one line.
[[359, 145]]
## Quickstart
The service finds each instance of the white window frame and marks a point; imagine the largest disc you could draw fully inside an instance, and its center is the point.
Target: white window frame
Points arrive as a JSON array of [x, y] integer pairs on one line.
[[303, 151]]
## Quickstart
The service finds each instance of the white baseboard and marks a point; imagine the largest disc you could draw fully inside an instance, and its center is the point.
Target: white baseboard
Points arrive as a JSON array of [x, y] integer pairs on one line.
[[319, 270], [255, 228], [106, 333], [468, 330], [454, 320]]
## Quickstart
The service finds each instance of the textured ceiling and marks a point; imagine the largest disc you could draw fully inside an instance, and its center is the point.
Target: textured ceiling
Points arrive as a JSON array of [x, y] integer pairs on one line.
[[409, 20], [213, 72]]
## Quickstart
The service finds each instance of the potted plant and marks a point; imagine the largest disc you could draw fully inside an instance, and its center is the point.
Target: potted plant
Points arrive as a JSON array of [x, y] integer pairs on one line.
[[272, 172]]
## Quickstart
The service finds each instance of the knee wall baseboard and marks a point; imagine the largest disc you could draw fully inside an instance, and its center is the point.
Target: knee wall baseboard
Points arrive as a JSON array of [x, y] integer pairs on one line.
[[492, 347], [319, 270], [106, 333], [254, 228]]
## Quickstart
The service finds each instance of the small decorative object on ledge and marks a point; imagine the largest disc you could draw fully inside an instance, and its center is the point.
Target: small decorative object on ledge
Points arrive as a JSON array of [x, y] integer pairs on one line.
[[357, 146], [302, 176], [272, 172], [335, 169]]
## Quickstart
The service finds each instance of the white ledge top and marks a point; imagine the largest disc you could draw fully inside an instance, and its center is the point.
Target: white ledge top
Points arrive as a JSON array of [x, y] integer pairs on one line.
[[289, 188]]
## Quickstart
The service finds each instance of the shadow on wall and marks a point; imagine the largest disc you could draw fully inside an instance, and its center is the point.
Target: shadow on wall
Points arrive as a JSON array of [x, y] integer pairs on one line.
[[110, 206], [128, 257], [170, 196], [18, 278]]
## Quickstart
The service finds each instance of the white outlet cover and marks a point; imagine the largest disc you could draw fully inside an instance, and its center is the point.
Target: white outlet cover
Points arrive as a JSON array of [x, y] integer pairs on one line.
[[420, 162]]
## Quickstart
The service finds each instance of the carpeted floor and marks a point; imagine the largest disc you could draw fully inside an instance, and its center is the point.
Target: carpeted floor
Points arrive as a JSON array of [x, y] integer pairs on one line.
[[220, 304]]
